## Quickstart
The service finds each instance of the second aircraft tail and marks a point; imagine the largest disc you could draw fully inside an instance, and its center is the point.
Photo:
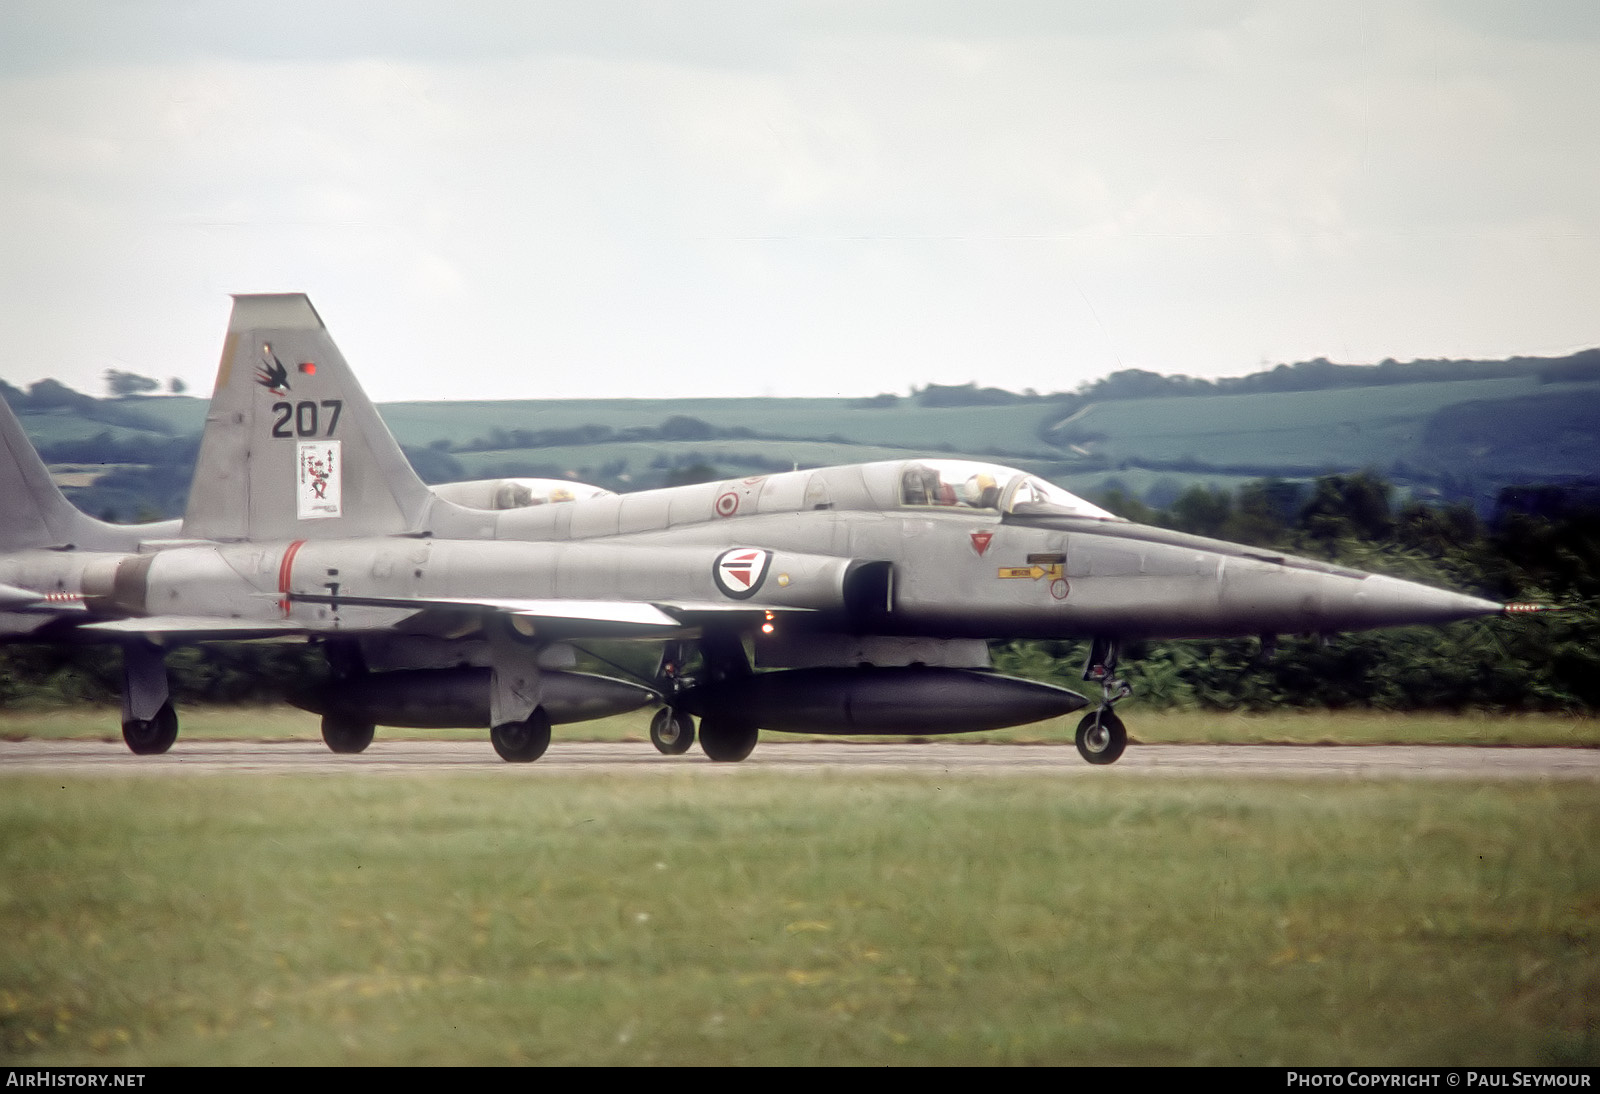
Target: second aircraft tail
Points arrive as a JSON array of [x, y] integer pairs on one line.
[[37, 514]]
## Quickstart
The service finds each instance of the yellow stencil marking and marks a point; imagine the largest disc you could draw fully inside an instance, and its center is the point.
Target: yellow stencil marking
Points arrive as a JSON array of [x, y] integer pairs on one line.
[[1033, 573]]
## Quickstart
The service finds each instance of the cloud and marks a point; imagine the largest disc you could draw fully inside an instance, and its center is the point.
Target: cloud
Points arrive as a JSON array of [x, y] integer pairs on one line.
[[807, 199]]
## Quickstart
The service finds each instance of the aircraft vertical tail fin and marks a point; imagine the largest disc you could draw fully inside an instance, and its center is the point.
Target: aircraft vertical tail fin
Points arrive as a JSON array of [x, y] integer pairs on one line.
[[36, 513], [293, 448]]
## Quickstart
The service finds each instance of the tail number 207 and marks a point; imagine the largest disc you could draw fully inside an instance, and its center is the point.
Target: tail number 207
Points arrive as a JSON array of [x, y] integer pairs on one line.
[[303, 419]]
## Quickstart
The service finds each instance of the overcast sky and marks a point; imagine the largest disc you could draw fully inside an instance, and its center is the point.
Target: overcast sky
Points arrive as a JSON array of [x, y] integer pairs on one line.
[[507, 199]]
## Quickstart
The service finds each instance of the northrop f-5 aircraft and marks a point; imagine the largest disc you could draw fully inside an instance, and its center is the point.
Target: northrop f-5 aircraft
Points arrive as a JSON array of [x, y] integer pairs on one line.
[[866, 593]]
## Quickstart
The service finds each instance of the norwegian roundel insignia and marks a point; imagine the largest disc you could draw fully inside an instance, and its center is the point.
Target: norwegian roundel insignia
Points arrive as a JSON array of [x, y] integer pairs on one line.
[[739, 572]]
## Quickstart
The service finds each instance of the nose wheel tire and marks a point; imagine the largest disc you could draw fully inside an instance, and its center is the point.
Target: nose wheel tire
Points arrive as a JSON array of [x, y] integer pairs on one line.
[[151, 737], [522, 742], [1101, 737], [727, 742], [671, 732], [346, 734]]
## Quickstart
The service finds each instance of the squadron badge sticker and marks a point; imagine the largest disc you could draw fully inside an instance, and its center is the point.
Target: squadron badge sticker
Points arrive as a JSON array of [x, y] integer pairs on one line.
[[271, 374], [740, 571], [317, 468]]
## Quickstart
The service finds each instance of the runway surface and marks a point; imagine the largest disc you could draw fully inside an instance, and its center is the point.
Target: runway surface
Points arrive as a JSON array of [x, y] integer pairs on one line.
[[581, 758]]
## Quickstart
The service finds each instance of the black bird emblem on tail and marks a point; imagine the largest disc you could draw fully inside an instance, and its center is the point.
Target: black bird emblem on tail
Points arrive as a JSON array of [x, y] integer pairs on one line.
[[271, 374]]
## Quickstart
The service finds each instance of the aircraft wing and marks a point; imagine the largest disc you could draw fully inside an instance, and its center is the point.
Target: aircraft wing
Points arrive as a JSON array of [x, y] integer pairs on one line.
[[550, 618], [196, 627], [568, 618], [724, 607]]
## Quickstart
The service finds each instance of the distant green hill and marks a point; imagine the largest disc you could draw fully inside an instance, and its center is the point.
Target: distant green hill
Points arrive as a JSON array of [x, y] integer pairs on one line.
[[1426, 427], [1461, 430]]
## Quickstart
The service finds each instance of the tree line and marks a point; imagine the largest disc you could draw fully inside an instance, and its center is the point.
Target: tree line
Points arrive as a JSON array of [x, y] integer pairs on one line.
[[1318, 374]]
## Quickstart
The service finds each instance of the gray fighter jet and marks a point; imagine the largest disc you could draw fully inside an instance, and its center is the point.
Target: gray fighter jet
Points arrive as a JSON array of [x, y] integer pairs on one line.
[[869, 591]]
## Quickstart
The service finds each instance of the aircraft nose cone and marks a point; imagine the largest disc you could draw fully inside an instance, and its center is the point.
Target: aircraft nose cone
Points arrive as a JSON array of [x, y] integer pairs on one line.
[[1379, 601]]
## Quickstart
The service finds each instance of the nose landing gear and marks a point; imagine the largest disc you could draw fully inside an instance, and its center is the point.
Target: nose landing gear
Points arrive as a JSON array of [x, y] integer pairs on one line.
[[1101, 736]]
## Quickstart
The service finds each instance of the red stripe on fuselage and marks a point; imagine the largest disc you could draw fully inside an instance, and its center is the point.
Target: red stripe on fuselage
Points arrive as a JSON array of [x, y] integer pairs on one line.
[[285, 568]]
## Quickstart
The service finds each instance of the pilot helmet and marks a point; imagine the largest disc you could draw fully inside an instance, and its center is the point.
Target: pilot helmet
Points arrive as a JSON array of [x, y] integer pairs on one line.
[[980, 491]]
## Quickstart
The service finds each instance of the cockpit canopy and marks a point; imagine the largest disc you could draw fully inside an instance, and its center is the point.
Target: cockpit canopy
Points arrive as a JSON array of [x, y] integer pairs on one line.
[[966, 484]]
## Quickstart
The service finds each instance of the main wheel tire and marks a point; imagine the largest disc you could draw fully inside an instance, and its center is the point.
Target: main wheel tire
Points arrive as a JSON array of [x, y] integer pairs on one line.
[[525, 741], [727, 742], [672, 732], [1101, 737], [153, 736], [346, 735]]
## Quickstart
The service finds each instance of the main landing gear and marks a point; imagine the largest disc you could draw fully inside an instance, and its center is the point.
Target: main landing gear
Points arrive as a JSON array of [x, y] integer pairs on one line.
[[346, 735], [525, 741], [340, 732], [725, 735], [1101, 735], [149, 724], [726, 740], [151, 736]]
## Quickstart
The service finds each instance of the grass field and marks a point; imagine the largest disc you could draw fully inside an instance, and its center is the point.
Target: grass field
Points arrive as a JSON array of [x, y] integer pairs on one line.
[[1145, 726], [835, 919], [1011, 428]]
